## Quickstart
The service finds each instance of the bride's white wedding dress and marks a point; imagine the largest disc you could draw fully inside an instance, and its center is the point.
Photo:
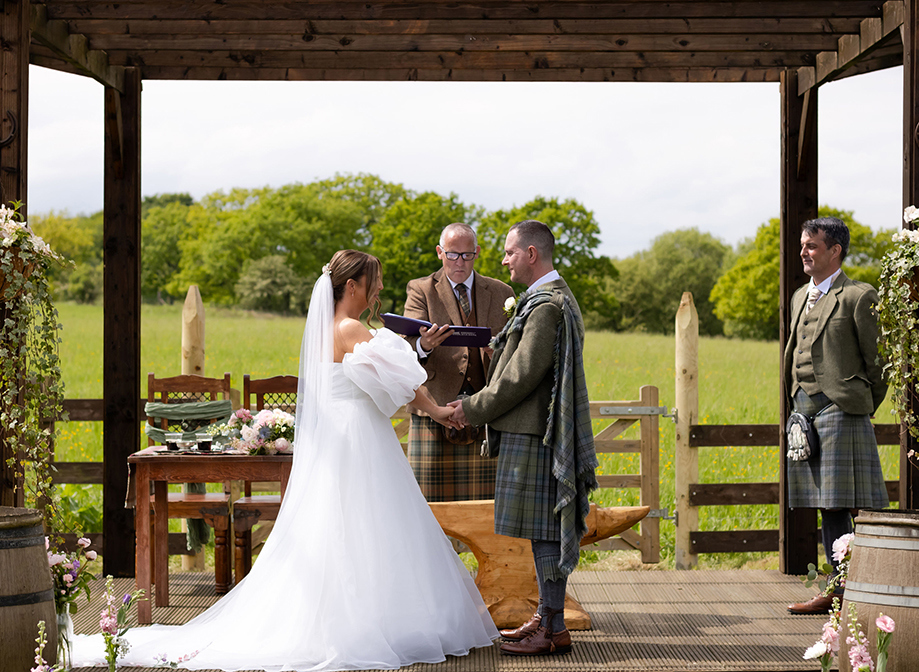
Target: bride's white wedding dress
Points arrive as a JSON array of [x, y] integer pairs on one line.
[[357, 573]]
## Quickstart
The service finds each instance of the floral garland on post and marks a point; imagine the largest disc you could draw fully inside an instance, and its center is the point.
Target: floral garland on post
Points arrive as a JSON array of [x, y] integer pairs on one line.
[[31, 391], [898, 319]]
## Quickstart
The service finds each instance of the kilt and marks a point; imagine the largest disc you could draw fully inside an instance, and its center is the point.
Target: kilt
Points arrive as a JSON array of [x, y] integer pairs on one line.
[[846, 473], [525, 489], [445, 472]]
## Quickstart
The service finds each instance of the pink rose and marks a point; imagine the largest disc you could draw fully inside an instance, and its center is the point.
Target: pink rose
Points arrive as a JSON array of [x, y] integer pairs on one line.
[[55, 559], [841, 547], [83, 542], [282, 445], [885, 623], [265, 417], [91, 555]]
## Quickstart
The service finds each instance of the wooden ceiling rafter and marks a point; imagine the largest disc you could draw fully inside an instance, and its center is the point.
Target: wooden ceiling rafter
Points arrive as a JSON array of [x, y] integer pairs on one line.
[[474, 40], [72, 49]]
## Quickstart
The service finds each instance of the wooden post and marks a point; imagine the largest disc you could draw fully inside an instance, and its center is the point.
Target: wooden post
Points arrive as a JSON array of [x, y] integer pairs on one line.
[[193, 363], [686, 458], [121, 382], [798, 527], [14, 106], [909, 475], [650, 476]]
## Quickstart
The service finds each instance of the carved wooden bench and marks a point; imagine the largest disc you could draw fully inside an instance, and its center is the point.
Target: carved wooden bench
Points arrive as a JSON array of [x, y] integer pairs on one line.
[[506, 577]]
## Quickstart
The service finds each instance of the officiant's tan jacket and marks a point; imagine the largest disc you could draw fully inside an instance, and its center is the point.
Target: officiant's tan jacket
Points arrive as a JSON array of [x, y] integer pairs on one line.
[[432, 298], [844, 348]]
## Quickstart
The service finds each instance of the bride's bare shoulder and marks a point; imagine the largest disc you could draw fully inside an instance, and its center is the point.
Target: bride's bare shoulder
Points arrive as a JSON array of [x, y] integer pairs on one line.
[[350, 332]]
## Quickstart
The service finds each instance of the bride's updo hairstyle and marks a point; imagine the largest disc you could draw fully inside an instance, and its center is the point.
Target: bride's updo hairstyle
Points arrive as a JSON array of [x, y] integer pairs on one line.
[[353, 265]]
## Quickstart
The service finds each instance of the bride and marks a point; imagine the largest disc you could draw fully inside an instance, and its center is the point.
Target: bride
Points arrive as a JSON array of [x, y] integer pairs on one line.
[[357, 573]]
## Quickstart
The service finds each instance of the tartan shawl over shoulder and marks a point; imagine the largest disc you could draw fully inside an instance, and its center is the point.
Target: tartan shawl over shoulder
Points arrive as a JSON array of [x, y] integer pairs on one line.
[[568, 431]]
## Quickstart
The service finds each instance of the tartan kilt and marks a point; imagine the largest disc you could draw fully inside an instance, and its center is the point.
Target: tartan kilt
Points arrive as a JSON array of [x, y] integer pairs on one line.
[[525, 489], [445, 472], [846, 473]]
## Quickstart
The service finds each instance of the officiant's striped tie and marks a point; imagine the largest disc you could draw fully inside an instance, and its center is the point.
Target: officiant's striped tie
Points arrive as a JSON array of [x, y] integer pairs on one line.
[[463, 298]]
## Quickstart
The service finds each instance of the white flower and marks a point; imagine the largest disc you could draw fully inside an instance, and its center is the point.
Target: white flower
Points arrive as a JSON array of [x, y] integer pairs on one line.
[[816, 651], [282, 445], [249, 433], [910, 213]]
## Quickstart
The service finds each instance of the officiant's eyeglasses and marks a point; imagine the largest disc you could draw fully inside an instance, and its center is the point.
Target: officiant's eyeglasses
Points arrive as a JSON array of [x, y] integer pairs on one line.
[[453, 256]]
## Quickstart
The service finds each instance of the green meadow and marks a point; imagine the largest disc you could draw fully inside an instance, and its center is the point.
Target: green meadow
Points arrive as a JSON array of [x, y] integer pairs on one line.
[[738, 384]]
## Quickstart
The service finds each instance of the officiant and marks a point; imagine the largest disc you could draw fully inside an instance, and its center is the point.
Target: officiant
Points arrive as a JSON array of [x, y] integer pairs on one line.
[[447, 463]]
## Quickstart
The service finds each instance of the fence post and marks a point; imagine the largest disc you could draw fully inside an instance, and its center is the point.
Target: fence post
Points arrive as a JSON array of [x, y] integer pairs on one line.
[[193, 363], [650, 476], [686, 398]]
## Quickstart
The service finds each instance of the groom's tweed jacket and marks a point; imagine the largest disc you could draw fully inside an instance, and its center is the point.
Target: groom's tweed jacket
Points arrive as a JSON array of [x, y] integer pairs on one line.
[[536, 383]]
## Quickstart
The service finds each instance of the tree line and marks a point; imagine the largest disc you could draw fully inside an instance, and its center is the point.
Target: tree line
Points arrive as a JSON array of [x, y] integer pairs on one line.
[[262, 249]]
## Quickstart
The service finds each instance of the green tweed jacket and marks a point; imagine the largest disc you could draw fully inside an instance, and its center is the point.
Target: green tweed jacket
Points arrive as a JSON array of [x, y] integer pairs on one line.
[[520, 378], [845, 350]]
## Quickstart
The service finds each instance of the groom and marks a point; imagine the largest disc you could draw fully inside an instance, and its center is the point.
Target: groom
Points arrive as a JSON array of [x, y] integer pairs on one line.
[[538, 415]]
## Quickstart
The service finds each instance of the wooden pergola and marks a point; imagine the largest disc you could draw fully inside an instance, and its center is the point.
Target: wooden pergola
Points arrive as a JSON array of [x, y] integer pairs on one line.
[[799, 43]]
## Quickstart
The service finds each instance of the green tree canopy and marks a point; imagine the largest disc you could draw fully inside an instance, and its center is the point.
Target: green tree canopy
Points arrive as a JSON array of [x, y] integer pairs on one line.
[[577, 235], [651, 283], [746, 297]]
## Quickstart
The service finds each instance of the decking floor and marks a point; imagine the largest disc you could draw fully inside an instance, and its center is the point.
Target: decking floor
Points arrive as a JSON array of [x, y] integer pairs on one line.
[[704, 621]]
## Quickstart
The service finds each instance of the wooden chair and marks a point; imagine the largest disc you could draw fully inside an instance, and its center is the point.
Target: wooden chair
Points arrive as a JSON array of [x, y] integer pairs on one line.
[[261, 393], [212, 508]]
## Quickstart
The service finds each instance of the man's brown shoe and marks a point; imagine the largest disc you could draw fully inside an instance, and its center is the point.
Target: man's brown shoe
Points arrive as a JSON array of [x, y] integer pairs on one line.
[[527, 628], [540, 643], [821, 604]]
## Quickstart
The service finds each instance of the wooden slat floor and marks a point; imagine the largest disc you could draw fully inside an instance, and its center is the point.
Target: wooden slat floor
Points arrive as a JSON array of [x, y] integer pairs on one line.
[[706, 621]]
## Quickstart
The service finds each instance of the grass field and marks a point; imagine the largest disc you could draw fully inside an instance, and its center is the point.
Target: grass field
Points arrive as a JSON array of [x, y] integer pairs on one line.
[[738, 384]]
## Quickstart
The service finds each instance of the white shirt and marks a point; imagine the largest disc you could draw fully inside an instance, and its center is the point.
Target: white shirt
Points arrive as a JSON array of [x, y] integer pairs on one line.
[[824, 286], [548, 277]]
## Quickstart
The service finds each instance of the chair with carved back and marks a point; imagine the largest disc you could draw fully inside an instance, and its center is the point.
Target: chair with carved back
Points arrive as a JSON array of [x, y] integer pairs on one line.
[[258, 394], [212, 508]]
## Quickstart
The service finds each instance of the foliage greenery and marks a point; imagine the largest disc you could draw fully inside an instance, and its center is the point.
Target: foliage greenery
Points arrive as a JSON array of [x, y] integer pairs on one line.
[[31, 390], [898, 316]]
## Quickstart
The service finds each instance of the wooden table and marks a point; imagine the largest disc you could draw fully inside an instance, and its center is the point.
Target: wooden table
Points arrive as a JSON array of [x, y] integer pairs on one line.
[[162, 468]]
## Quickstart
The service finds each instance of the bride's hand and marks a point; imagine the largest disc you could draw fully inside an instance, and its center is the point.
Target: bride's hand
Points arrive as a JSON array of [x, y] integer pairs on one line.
[[444, 415]]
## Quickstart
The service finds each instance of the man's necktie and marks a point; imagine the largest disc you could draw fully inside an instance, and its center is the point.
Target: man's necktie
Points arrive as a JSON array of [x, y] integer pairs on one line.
[[812, 295], [463, 298]]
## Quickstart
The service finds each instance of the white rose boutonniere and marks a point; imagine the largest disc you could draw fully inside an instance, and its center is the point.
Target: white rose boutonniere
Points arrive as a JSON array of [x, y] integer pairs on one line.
[[510, 305]]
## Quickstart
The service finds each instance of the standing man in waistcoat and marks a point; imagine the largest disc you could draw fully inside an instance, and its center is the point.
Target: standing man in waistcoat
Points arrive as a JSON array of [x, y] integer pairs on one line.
[[447, 463], [832, 374]]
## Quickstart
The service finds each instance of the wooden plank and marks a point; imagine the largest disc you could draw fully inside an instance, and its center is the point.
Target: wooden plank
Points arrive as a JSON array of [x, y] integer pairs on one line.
[[733, 435], [254, 10], [739, 541], [619, 481], [84, 410], [121, 330], [826, 64], [729, 494], [307, 26], [617, 446], [614, 429], [807, 78], [78, 472], [467, 42], [478, 60], [471, 75], [893, 16], [871, 32], [849, 49]]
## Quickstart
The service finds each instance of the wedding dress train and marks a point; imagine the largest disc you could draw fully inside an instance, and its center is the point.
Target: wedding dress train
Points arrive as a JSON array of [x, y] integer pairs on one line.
[[357, 573]]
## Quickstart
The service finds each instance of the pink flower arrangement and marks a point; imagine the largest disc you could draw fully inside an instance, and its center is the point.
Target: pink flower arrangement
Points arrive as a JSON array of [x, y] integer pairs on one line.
[[41, 640], [70, 575], [113, 621], [267, 432]]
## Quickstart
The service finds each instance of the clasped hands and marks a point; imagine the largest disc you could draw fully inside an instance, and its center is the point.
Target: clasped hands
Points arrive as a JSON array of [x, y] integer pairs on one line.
[[451, 415]]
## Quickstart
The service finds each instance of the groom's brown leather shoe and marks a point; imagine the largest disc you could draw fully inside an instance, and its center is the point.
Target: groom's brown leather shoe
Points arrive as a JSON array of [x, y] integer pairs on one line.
[[527, 628], [540, 643], [821, 604]]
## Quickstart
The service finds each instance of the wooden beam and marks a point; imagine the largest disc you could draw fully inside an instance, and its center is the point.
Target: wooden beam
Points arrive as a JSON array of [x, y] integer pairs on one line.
[[733, 435], [729, 494], [534, 26], [255, 10], [121, 330], [73, 49], [737, 541], [909, 475], [798, 527]]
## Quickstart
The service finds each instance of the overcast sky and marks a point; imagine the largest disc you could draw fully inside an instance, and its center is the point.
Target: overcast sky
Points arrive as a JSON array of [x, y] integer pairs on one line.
[[645, 158]]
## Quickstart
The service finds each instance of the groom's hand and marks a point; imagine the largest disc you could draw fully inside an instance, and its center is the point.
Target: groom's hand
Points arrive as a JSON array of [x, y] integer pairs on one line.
[[434, 336], [459, 417]]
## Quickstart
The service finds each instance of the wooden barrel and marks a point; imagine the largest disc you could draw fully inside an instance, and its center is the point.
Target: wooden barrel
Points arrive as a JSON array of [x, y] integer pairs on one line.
[[26, 595], [884, 578]]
